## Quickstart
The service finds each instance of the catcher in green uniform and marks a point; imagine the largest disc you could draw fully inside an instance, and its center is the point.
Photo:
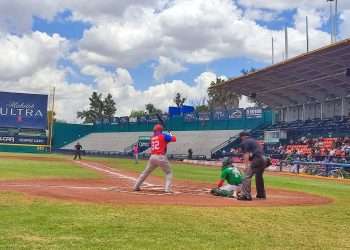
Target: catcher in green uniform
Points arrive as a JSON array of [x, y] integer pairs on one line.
[[232, 176]]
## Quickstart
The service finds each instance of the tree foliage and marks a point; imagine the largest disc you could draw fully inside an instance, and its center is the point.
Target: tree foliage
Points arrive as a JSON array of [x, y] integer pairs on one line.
[[150, 109], [221, 97], [99, 109], [109, 108], [202, 108], [137, 113], [179, 100]]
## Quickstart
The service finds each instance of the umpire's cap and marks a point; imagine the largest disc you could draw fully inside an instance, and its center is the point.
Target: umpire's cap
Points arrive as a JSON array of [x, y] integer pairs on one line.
[[226, 161], [158, 128]]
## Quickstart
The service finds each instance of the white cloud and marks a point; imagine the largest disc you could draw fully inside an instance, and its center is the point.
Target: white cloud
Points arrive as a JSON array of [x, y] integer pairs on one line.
[[120, 84], [261, 15], [282, 4], [26, 54], [69, 97], [167, 67], [345, 25], [97, 11], [16, 15], [194, 32]]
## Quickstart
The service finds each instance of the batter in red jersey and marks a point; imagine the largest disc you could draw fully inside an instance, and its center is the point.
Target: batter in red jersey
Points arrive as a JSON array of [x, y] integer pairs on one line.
[[159, 142]]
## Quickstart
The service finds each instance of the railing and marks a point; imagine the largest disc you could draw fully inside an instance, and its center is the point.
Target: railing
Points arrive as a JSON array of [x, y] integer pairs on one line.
[[223, 145], [128, 149]]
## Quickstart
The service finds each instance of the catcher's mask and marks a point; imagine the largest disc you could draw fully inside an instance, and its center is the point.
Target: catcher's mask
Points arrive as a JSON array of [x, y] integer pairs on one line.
[[226, 162]]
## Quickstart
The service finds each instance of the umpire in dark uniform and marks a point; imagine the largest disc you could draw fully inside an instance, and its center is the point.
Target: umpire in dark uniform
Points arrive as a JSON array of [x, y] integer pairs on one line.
[[77, 152], [255, 164]]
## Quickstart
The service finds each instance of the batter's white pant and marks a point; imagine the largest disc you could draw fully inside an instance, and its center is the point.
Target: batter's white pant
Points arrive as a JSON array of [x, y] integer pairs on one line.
[[154, 162]]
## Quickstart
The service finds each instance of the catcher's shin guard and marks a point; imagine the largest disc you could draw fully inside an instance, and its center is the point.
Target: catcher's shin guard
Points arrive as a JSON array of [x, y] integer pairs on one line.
[[219, 192]]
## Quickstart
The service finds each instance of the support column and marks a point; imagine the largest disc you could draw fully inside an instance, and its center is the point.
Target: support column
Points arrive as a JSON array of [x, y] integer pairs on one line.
[[321, 110], [342, 107], [303, 113]]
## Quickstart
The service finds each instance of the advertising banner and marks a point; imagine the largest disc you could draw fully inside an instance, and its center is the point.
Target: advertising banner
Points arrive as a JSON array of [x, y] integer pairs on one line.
[[153, 119], [23, 140], [132, 119], [23, 110], [190, 117], [143, 118], [235, 114], [115, 120], [124, 119], [254, 113], [219, 115], [204, 116]]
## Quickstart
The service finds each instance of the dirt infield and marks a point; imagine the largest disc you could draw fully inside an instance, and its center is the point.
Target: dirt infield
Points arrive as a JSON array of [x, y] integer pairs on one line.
[[116, 188]]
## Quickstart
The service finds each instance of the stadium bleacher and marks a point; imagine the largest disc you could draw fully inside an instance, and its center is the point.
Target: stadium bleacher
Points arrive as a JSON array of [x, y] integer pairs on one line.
[[201, 142], [337, 126]]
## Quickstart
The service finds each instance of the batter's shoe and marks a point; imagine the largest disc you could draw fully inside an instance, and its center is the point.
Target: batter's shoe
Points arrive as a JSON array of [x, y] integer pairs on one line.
[[244, 198], [261, 197]]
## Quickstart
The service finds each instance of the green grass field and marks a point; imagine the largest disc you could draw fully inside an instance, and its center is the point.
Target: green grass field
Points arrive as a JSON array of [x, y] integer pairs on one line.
[[36, 223], [14, 169]]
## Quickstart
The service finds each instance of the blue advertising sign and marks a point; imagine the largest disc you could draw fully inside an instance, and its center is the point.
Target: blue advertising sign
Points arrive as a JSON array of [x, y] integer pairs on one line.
[[178, 111], [20, 110]]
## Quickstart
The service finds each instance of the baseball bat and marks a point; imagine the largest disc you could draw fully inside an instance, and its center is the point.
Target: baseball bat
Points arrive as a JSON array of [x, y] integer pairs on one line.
[[161, 121]]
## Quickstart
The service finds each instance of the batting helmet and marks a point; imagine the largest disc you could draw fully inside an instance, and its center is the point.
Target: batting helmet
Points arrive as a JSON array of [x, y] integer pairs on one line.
[[158, 128]]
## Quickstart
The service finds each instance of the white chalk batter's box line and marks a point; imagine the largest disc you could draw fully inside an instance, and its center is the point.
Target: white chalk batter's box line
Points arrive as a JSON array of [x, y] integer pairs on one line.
[[112, 172], [111, 188]]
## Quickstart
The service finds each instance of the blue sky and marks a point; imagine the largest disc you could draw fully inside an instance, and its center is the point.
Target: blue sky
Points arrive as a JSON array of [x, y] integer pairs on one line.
[[73, 30], [146, 51]]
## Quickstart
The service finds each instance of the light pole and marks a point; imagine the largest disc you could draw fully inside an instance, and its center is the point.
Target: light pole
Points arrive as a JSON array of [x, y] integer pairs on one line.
[[333, 19], [273, 50]]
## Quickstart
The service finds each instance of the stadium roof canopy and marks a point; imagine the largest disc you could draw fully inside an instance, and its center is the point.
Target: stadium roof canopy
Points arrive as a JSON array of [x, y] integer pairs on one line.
[[311, 77]]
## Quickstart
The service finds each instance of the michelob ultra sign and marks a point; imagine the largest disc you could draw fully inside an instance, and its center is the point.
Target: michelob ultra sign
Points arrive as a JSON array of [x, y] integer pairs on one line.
[[21, 110]]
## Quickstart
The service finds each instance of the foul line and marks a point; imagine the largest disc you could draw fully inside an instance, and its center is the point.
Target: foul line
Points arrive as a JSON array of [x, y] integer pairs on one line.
[[113, 172]]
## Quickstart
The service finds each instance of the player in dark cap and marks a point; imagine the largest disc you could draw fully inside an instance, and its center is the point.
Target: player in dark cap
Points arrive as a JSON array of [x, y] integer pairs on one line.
[[77, 152], [255, 164]]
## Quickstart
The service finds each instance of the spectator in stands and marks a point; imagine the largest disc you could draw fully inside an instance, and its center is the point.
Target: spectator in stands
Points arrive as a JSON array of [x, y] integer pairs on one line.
[[77, 152], [135, 150], [346, 149]]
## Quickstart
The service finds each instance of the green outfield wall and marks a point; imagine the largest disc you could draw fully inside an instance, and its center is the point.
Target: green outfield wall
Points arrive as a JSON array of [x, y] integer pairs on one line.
[[65, 133]]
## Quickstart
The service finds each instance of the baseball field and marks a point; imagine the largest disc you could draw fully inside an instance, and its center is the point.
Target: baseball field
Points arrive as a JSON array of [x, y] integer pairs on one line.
[[51, 202]]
